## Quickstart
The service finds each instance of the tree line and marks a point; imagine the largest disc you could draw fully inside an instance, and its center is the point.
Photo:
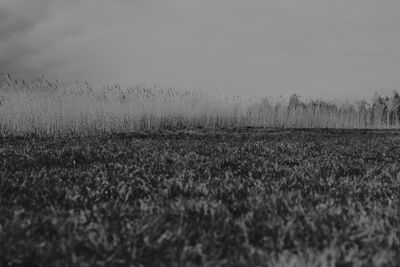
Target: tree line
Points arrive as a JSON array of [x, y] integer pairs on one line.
[[381, 111]]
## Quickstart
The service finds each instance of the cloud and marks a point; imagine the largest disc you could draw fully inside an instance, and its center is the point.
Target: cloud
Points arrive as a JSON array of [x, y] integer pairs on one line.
[[18, 19], [338, 48], [32, 30]]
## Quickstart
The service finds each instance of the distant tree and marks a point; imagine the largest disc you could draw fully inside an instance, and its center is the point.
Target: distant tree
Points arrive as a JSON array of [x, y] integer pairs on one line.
[[363, 110], [323, 106], [379, 110], [390, 110], [295, 103], [395, 108]]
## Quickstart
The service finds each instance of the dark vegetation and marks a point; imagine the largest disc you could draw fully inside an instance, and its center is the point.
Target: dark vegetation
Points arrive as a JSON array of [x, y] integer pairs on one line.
[[382, 111], [250, 197]]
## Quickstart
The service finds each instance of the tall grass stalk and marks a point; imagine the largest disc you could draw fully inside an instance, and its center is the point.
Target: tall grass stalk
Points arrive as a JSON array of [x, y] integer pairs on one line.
[[53, 108]]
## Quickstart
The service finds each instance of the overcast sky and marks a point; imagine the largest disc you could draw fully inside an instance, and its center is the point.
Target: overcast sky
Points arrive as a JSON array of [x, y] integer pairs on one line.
[[341, 48]]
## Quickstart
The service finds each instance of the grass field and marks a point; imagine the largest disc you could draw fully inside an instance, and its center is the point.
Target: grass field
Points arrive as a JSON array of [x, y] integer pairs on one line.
[[238, 197], [146, 176]]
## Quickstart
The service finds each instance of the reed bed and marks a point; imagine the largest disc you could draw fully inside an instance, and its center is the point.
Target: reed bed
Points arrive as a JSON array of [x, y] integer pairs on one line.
[[54, 108]]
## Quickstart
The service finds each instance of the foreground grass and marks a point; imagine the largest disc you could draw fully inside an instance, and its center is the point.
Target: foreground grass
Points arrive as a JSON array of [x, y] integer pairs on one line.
[[221, 198]]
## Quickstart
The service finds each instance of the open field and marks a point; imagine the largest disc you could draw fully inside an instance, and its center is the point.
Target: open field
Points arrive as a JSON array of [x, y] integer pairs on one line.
[[249, 197]]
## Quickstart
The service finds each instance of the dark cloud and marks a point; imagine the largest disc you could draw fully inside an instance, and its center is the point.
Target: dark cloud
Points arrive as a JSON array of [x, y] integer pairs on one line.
[[17, 17], [17, 20], [12, 26], [34, 34], [337, 48]]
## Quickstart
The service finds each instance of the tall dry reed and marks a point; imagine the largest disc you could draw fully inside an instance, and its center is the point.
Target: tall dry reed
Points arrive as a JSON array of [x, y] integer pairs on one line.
[[54, 108]]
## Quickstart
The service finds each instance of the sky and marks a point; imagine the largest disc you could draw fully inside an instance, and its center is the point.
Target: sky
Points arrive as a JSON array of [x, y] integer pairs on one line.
[[342, 49]]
